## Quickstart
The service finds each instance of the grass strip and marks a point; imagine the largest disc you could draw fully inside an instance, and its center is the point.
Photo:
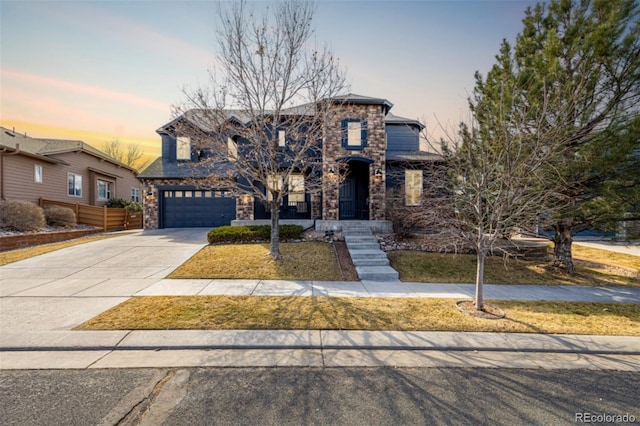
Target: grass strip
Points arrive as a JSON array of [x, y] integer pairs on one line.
[[300, 261], [341, 313], [415, 266]]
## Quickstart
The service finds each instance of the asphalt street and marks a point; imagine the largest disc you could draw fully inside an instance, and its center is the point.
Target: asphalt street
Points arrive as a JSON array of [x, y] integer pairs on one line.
[[316, 396]]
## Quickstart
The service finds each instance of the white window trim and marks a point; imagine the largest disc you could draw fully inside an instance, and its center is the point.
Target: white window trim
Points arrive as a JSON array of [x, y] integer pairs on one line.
[[135, 195], [77, 181], [413, 187], [38, 173], [282, 138], [183, 148], [108, 189]]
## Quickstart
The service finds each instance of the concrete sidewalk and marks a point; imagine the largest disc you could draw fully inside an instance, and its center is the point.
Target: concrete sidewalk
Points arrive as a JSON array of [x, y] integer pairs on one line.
[[314, 348], [44, 298]]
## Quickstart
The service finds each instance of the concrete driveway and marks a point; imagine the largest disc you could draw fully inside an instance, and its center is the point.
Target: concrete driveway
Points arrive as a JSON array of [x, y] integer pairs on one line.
[[61, 289]]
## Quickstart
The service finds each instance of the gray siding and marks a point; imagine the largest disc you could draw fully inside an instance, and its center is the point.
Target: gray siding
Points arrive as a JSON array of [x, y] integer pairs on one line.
[[402, 137], [20, 183], [169, 147]]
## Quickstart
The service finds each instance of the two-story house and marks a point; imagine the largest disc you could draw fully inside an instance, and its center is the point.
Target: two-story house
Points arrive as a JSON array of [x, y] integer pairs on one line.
[[363, 135]]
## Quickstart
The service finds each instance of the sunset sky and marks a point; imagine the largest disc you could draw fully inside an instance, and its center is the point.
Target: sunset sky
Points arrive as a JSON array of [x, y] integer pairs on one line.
[[103, 70]]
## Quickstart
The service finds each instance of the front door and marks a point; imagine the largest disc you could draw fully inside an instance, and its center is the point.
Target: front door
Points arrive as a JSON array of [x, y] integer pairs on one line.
[[348, 198], [354, 192]]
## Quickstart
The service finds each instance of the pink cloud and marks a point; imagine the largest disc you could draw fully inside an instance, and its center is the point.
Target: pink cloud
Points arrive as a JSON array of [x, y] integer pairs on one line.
[[85, 89]]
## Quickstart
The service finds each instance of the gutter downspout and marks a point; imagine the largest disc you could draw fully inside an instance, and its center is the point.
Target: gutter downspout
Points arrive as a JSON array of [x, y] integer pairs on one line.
[[3, 153]]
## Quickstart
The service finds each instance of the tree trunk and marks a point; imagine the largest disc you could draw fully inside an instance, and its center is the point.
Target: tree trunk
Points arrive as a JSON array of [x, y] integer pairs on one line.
[[480, 280], [275, 230], [562, 246]]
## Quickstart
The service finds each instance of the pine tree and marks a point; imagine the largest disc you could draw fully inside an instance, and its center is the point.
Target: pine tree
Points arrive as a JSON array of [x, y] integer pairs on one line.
[[578, 64]]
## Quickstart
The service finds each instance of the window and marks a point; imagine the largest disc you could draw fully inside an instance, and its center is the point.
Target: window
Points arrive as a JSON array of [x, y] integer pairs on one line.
[[135, 195], [183, 148], [232, 148], [413, 187], [296, 188], [74, 185], [354, 134], [282, 138], [354, 130], [274, 182], [104, 190], [37, 173]]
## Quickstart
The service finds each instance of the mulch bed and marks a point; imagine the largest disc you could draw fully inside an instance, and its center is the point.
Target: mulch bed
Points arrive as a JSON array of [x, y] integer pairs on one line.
[[28, 239], [347, 267], [487, 311]]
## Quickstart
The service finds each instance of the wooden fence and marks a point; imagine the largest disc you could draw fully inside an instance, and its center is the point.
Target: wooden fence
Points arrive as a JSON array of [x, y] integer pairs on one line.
[[109, 219]]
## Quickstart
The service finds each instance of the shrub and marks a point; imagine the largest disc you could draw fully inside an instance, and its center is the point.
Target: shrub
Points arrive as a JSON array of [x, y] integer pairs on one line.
[[21, 216], [60, 216], [121, 203], [239, 234]]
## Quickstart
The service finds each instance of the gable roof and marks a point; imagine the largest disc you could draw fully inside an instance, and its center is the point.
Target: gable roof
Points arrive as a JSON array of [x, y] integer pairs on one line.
[[394, 119], [204, 120], [46, 149], [352, 98]]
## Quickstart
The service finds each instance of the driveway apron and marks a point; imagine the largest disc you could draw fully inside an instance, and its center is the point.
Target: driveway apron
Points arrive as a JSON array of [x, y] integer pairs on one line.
[[64, 288]]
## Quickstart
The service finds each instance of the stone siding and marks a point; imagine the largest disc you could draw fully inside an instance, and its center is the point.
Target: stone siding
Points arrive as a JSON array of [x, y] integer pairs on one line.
[[244, 207], [332, 152], [150, 199]]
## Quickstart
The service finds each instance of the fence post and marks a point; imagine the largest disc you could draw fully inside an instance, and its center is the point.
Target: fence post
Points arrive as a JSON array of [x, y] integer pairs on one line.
[[41, 203], [77, 210], [104, 218]]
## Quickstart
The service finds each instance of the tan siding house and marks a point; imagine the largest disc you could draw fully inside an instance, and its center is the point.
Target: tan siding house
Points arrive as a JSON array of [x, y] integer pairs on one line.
[[61, 170]]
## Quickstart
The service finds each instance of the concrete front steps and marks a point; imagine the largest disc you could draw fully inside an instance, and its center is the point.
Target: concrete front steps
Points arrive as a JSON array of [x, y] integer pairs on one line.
[[370, 261]]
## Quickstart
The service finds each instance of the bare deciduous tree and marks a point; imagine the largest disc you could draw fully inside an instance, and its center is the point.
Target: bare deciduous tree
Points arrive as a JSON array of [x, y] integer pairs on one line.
[[493, 180], [132, 157], [257, 128]]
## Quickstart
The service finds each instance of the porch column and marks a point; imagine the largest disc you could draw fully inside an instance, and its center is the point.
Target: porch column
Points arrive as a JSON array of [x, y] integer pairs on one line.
[[330, 192], [377, 191], [244, 207]]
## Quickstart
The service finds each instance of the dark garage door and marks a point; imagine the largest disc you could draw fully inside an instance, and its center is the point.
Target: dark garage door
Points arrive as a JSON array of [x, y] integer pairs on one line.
[[194, 208]]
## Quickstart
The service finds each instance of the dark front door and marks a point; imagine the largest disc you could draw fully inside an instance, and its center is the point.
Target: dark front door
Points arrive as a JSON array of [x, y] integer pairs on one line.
[[354, 192], [348, 198]]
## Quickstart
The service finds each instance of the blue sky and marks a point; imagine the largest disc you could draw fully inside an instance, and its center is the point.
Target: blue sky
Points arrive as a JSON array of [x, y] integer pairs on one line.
[[99, 70]]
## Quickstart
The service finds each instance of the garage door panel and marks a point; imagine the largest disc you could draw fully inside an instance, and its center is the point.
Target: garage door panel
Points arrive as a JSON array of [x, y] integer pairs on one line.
[[197, 208]]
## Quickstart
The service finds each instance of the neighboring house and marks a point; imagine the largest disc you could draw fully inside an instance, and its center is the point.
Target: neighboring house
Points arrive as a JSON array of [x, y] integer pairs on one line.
[[364, 135], [61, 170]]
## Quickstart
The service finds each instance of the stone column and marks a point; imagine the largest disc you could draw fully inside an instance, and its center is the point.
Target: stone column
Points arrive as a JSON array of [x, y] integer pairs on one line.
[[244, 207], [150, 205]]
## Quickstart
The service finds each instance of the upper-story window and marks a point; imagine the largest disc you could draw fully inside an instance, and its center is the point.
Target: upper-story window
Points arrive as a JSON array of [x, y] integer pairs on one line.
[[74, 185], [183, 148], [37, 173], [232, 149], [282, 138], [354, 134]]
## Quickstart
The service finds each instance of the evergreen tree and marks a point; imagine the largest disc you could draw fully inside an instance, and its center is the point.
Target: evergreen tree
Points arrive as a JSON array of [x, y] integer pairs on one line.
[[576, 68]]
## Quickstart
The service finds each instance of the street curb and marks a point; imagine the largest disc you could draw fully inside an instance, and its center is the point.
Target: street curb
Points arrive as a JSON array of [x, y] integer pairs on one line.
[[167, 340]]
